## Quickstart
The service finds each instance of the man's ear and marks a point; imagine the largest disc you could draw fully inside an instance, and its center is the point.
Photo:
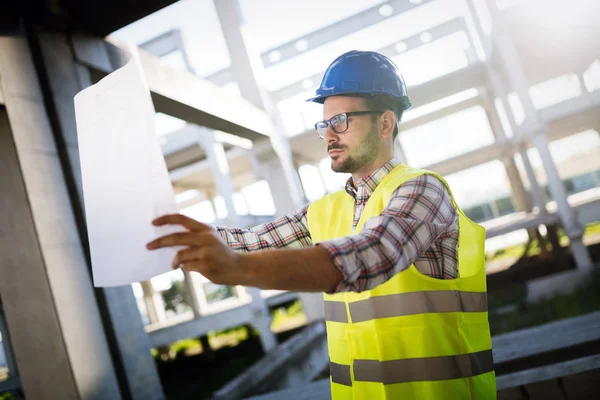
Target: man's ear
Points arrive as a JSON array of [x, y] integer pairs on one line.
[[387, 123]]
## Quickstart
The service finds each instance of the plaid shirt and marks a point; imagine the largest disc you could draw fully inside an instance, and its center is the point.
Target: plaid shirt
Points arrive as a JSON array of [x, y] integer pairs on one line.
[[418, 226]]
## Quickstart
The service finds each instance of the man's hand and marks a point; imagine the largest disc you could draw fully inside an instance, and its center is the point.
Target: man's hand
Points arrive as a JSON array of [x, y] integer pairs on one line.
[[308, 269], [205, 253]]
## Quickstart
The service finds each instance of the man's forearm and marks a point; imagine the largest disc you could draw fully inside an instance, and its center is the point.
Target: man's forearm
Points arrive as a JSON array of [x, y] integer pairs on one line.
[[288, 231], [308, 269]]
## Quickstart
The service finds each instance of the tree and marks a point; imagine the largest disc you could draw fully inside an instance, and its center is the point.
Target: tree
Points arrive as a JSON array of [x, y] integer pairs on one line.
[[174, 296]]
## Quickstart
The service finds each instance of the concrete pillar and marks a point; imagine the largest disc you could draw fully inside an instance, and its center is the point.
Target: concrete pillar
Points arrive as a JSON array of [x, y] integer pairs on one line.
[[247, 70], [261, 319], [497, 87], [215, 154], [200, 294], [537, 196], [312, 303], [154, 303], [267, 166], [519, 193], [537, 131], [52, 314], [191, 294], [62, 77]]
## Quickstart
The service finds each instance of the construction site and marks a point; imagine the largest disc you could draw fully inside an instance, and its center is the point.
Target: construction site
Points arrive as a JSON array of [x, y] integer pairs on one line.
[[505, 105]]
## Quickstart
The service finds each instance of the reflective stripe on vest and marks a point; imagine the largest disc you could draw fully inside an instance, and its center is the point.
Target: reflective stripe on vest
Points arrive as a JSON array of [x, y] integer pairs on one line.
[[415, 369], [340, 373], [401, 304]]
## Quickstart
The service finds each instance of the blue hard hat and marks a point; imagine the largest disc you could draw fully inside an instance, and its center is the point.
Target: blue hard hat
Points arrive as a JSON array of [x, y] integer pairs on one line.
[[362, 73]]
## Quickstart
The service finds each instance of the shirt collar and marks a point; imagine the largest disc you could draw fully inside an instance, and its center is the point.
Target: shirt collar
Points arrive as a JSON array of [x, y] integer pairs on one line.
[[367, 185]]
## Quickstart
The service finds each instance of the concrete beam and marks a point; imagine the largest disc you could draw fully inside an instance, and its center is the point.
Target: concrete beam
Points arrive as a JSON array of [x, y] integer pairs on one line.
[[441, 113], [188, 136], [572, 116], [409, 43], [181, 94], [337, 30], [294, 363], [447, 85], [564, 119], [164, 44], [524, 221], [473, 158]]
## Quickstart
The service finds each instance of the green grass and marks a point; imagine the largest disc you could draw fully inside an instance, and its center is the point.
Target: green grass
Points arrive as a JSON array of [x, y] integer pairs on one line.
[[186, 345], [291, 315]]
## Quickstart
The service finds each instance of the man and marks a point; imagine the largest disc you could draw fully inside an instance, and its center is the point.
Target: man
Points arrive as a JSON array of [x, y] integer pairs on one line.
[[401, 266]]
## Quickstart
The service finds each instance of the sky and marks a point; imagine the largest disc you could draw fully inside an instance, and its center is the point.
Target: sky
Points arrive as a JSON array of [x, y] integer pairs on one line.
[[268, 24]]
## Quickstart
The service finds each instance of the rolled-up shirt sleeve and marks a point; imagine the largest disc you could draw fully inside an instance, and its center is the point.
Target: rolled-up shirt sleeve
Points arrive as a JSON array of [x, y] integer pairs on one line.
[[288, 231], [418, 213]]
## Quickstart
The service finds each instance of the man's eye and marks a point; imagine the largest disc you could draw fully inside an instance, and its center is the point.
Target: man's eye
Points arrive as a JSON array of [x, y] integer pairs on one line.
[[337, 121]]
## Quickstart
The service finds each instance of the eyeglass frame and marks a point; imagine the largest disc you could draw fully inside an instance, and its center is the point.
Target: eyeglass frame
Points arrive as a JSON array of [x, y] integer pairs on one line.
[[327, 122]]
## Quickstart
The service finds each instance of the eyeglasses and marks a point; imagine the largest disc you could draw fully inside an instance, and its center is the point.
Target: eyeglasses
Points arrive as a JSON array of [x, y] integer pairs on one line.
[[339, 122]]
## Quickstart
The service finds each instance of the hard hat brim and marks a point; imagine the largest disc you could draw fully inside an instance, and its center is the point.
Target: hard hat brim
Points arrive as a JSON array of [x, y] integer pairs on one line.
[[320, 99]]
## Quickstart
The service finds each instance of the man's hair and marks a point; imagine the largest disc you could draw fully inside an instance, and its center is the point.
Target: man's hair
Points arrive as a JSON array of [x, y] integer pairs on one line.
[[383, 102]]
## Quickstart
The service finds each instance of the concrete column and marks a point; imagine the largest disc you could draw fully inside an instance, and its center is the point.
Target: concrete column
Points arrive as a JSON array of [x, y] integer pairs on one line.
[[191, 294], [312, 303], [519, 193], [537, 196], [261, 318], [537, 131], [498, 89], [154, 304], [62, 77], [215, 155], [247, 70], [200, 295], [267, 166], [51, 311]]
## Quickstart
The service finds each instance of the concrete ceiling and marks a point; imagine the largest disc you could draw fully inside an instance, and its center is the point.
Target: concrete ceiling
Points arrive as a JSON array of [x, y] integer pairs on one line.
[[560, 39], [97, 17]]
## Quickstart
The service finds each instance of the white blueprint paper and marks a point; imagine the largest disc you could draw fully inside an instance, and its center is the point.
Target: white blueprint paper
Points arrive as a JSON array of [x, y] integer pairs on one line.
[[125, 180]]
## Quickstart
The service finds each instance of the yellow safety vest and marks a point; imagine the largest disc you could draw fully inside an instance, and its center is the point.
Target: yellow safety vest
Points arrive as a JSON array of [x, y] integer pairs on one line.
[[412, 337]]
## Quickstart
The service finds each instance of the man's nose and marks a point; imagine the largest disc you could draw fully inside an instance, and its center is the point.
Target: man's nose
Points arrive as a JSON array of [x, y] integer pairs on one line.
[[330, 135]]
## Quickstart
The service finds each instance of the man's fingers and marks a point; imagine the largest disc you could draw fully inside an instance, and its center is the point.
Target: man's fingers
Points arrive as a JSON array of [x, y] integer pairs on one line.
[[176, 239], [185, 256], [183, 220]]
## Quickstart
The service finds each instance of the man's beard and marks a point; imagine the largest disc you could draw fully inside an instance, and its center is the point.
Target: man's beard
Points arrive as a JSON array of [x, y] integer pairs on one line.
[[353, 163]]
